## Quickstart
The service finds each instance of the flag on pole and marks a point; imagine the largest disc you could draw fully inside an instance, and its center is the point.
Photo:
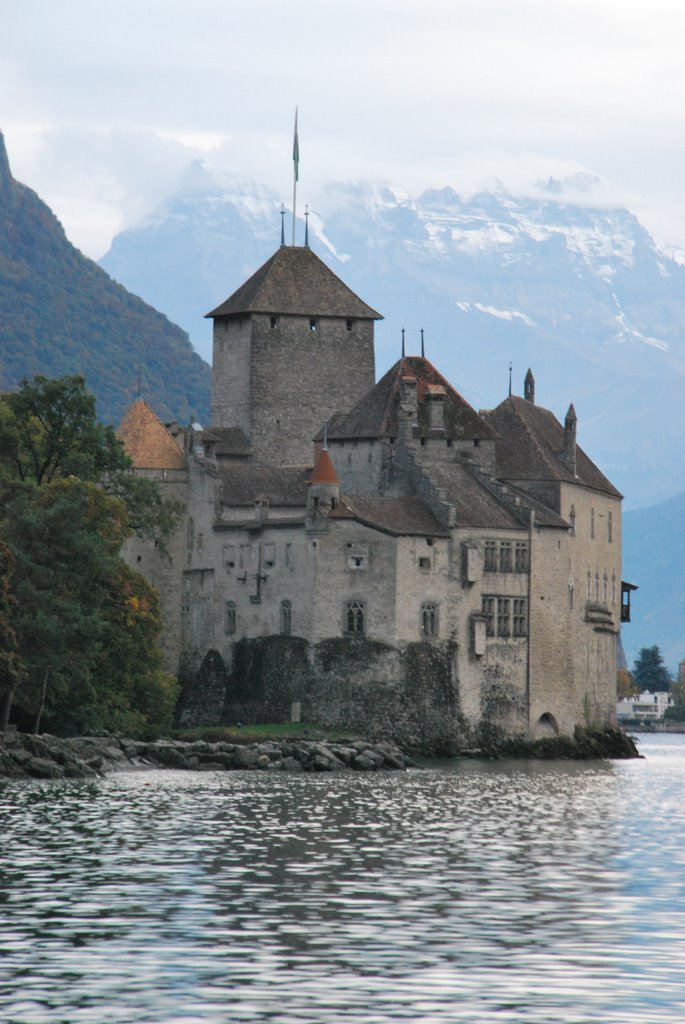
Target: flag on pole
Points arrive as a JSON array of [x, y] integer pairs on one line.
[[296, 151]]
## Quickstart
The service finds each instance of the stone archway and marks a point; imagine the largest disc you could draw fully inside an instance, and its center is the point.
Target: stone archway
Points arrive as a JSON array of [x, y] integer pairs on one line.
[[545, 726]]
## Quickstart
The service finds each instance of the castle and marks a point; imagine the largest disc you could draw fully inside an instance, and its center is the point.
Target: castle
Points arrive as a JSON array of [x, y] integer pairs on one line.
[[376, 556]]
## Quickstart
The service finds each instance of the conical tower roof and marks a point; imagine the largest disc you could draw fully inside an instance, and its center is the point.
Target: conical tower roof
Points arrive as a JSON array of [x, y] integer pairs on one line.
[[324, 470], [295, 282]]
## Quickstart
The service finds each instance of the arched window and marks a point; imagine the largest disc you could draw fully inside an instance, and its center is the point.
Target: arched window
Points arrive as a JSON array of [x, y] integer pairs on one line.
[[231, 618], [286, 618], [355, 617], [429, 619], [572, 520]]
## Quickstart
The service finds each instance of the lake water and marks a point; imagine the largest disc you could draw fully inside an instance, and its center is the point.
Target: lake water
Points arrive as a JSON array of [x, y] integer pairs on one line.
[[469, 892]]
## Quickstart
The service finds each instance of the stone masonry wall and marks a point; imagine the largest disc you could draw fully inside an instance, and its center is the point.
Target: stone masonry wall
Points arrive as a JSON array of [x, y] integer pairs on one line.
[[300, 377]]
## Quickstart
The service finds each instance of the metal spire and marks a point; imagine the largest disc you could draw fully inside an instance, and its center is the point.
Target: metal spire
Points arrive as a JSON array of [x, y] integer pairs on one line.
[[403, 342], [306, 227], [282, 223], [509, 380], [296, 172], [423, 348]]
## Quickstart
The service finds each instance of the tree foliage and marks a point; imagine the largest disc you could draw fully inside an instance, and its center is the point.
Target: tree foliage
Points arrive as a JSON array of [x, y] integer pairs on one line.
[[625, 685], [649, 670], [86, 626]]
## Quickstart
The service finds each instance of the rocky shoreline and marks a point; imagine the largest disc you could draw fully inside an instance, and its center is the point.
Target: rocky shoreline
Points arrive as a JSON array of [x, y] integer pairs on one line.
[[25, 756], [50, 757]]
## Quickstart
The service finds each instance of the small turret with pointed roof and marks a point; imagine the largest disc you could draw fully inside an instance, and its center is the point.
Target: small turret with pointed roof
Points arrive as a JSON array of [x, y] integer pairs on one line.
[[529, 387], [569, 453], [323, 493]]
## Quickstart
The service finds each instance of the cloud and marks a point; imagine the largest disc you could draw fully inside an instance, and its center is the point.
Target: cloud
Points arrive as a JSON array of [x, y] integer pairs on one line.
[[106, 103]]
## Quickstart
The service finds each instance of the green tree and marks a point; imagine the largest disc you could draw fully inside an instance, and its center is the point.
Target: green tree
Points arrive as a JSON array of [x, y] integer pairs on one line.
[[49, 431], [649, 670], [82, 624], [11, 665], [87, 625]]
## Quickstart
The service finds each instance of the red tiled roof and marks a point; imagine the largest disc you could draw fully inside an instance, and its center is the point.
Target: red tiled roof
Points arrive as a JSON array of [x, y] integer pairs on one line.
[[147, 440], [324, 470]]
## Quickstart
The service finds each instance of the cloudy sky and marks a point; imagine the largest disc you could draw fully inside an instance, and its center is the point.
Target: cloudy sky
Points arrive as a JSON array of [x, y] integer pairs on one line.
[[103, 104]]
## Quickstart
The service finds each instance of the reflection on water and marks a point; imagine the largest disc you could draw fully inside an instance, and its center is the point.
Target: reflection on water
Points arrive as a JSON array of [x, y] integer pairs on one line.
[[475, 892]]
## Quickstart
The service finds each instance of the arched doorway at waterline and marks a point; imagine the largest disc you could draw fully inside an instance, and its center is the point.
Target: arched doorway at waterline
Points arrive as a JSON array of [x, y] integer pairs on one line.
[[546, 725]]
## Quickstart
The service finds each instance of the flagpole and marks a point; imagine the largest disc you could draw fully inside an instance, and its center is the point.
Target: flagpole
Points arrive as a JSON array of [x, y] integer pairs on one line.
[[296, 172]]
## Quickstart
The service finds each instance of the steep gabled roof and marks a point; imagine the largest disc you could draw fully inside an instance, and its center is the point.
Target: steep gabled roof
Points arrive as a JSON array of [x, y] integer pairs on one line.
[[530, 442], [147, 440], [376, 414], [295, 282]]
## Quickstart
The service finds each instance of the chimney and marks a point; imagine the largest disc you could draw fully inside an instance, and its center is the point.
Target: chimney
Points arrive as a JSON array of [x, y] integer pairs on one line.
[[409, 408], [435, 397], [529, 388]]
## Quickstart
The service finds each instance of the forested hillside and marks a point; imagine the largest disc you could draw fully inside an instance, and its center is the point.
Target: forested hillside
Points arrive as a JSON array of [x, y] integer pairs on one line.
[[62, 314]]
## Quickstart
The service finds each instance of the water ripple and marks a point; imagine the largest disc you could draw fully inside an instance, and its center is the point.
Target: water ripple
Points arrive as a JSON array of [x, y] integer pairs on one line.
[[510, 892]]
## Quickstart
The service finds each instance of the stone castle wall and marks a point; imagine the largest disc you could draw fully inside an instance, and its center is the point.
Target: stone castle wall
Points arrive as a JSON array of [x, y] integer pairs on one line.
[[282, 383]]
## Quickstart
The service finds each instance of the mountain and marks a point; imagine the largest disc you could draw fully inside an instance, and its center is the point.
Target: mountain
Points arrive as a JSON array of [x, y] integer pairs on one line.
[[60, 313], [654, 559], [557, 280]]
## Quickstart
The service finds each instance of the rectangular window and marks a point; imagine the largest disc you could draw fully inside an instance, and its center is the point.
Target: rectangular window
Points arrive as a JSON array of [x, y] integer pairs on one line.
[[286, 618], [269, 556], [429, 619], [505, 562], [488, 612], [592, 524], [288, 555], [424, 563], [231, 618], [519, 620], [610, 527], [354, 617], [229, 555], [521, 556], [244, 556], [503, 616], [490, 564]]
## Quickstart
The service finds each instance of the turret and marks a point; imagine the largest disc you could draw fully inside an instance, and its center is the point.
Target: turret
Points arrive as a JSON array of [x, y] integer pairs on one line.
[[529, 387], [569, 452], [323, 492]]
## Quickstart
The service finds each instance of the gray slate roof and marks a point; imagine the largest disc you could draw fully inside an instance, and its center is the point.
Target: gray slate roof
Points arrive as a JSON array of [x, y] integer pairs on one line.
[[226, 440], [295, 282], [376, 414], [398, 516], [530, 442], [285, 486]]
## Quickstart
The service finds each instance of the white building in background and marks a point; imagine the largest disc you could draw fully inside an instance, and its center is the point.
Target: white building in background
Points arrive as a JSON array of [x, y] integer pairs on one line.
[[645, 707]]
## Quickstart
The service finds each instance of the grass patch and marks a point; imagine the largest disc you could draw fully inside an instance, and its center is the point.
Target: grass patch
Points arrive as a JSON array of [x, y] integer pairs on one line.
[[261, 732]]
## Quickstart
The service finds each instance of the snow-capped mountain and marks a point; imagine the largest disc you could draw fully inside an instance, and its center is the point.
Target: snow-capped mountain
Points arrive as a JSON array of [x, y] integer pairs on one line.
[[559, 280]]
